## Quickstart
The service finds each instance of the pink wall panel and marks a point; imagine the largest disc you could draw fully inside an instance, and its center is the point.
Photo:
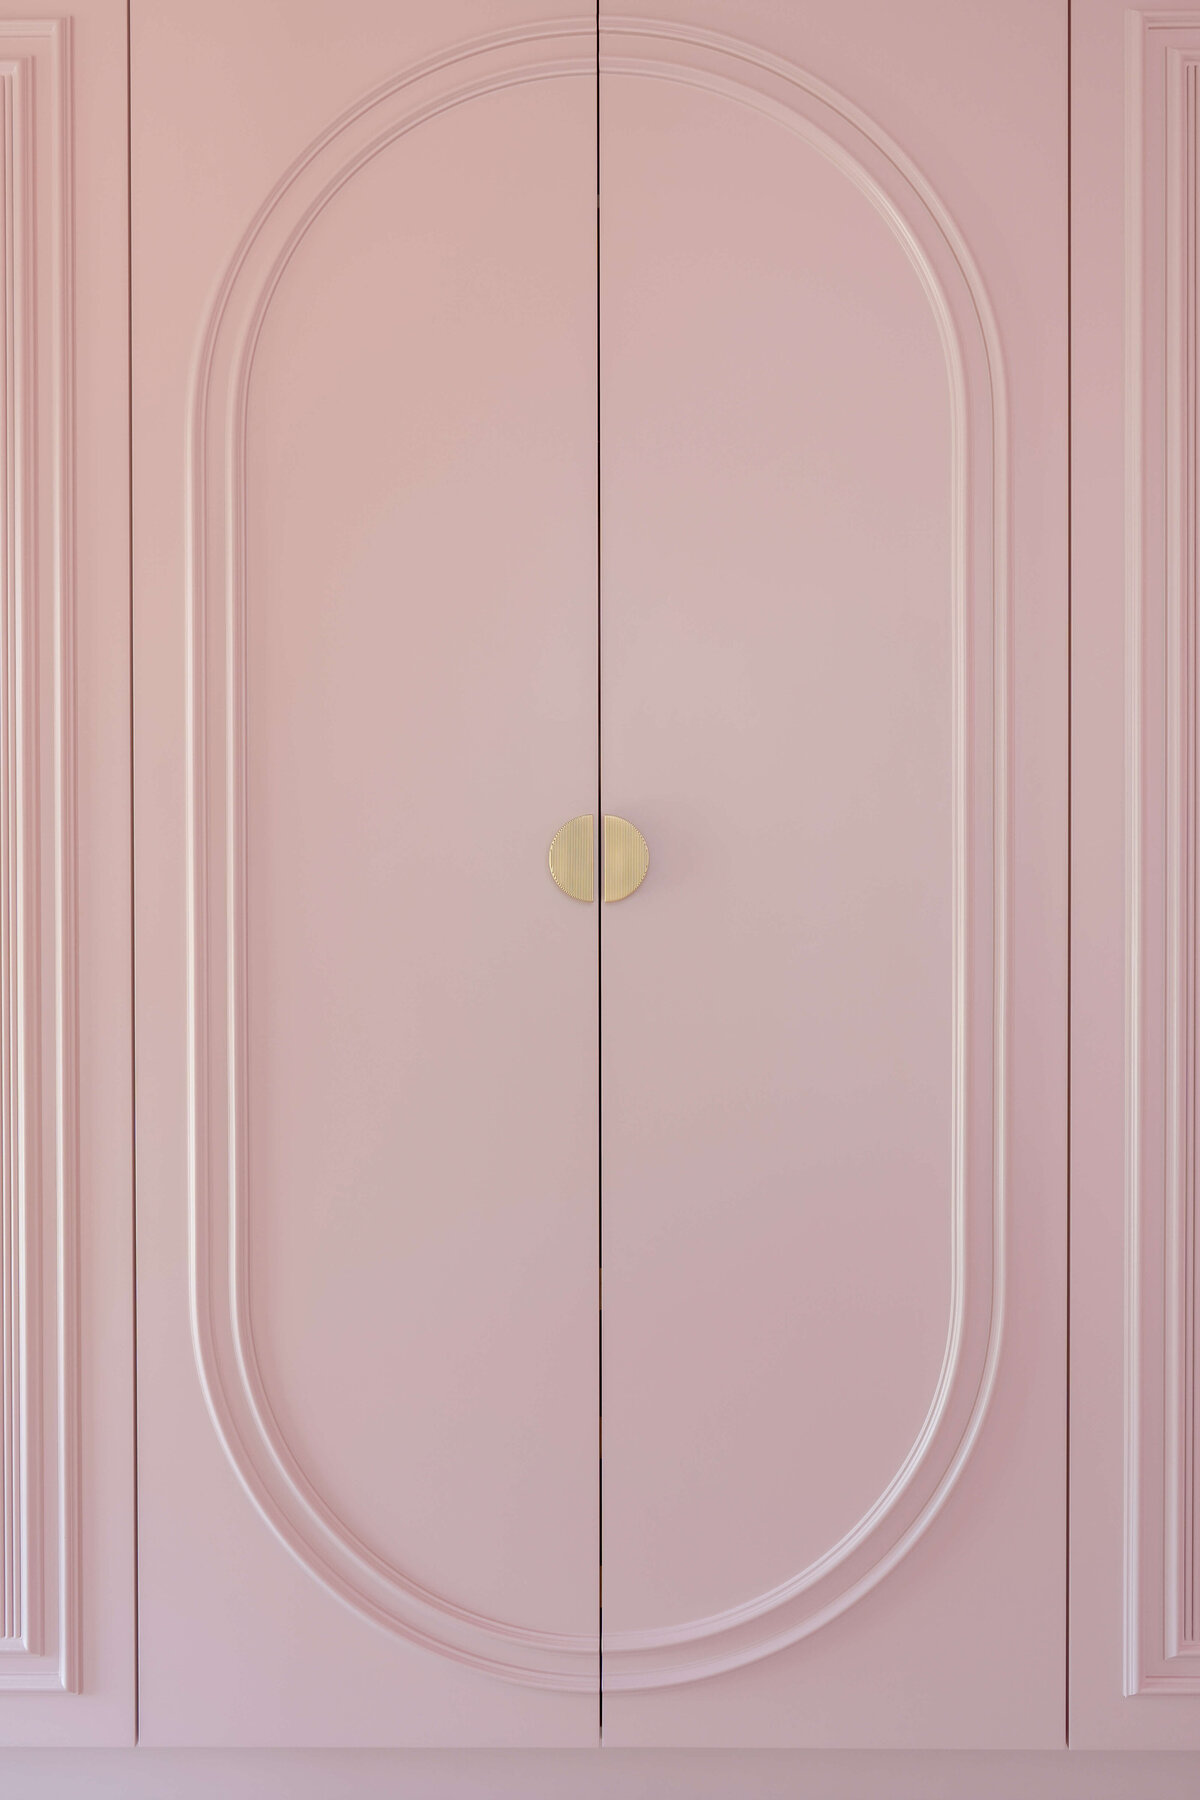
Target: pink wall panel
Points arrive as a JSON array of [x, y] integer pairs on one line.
[[1135, 1418], [67, 1672]]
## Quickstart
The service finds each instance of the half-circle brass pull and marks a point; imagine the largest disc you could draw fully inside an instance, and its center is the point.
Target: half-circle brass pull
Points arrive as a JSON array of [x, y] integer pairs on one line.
[[572, 857], [626, 858]]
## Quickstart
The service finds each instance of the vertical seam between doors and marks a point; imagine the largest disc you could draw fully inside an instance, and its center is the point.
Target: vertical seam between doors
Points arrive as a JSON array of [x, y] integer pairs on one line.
[[137, 1661], [1070, 902], [599, 980]]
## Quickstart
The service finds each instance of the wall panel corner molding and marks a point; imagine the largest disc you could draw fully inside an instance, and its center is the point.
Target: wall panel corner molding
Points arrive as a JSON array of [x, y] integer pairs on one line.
[[39, 1359], [1162, 1405]]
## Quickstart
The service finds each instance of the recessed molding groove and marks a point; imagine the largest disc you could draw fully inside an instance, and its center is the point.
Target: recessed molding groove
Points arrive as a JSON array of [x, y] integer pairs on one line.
[[1162, 1422], [286, 1493], [39, 1446]]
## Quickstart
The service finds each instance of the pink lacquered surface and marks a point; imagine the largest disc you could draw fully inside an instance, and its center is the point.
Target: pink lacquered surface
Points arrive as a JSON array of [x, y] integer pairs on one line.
[[420, 706], [777, 627]]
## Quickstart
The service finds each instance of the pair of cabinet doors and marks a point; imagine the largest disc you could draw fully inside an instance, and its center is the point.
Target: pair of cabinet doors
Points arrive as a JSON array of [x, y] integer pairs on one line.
[[551, 425], [535, 421]]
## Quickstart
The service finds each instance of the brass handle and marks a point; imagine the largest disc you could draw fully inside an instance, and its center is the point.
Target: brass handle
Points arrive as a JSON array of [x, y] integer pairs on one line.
[[626, 858], [573, 852]]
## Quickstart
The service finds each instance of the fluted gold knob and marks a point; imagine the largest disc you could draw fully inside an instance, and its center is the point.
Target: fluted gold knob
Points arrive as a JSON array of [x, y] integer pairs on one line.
[[572, 857], [626, 858]]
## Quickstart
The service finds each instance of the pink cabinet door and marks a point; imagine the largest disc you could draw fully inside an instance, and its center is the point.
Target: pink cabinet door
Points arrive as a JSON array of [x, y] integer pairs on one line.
[[67, 1672], [1135, 1537], [833, 598], [365, 591]]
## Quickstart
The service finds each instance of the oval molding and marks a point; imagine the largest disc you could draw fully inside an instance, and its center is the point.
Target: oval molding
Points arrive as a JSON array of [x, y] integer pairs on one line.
[[222, 1327]]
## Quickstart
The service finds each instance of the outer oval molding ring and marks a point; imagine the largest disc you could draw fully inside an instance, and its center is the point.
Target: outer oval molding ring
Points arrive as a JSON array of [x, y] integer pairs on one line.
[[222, 1326]]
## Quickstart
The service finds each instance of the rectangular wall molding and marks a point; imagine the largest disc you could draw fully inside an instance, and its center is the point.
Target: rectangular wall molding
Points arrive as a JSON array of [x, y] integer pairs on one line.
[[1162, 1436], [39, 1400]]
